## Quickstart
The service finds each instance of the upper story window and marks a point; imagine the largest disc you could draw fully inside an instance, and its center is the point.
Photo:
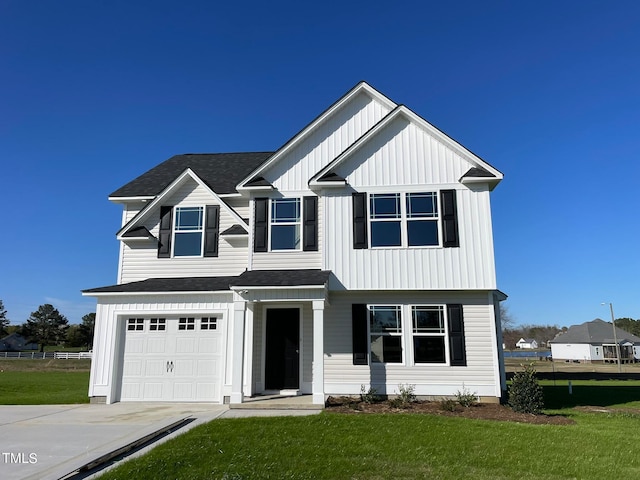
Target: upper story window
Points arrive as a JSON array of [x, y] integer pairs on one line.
[[403, 220], [416, 219], [187, 234], [285, 224], [189, 231]]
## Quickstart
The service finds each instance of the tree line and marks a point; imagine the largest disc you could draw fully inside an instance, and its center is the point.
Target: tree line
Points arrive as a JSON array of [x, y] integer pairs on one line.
[[48, 327]]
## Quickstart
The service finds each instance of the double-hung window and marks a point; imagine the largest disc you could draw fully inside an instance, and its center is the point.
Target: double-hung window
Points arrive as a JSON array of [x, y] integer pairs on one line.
[[285, 224], [385, 333], [403, 220], [188, 230], [429, 334]]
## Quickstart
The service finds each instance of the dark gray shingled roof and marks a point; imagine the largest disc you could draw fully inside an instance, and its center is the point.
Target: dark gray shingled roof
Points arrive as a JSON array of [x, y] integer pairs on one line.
[[235, 230], [478, 172], [595, 332], [255, 278], [187, 284], [282, 278], [220, 171]]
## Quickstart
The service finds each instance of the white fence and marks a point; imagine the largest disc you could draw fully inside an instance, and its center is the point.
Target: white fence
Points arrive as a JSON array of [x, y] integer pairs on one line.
[[43, 355]]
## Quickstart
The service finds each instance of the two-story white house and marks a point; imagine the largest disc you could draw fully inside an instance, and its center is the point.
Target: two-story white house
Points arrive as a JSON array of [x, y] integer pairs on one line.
[[360, 253]]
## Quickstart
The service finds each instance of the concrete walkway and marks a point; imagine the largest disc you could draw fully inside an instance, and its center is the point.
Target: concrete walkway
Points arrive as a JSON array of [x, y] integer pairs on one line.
[[47, 442]]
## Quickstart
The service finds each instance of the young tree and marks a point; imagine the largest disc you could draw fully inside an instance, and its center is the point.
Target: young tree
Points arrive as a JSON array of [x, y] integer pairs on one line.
[[46, 326], [86, 329], [4, 321]]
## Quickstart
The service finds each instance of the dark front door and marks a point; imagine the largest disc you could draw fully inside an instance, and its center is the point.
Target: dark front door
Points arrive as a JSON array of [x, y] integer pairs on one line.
[[282, 355]]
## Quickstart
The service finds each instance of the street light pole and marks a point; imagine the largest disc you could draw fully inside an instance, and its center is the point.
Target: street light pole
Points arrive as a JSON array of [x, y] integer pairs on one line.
[[615, 336]]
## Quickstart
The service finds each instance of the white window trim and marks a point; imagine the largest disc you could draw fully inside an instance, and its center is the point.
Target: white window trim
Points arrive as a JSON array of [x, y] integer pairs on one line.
[[412, 334], [407, 335], [200, 230], [402, 334], [403, 219], [298, 223]]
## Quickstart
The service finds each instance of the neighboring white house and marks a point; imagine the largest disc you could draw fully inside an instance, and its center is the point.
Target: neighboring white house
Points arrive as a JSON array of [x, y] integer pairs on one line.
[[527, 343], [594, 341], [358, 253]]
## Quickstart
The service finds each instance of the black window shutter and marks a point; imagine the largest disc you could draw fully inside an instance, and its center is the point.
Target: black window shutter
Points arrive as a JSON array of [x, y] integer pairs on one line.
[[360, 239], [164, 242], [457, 348], [359, 334], [310, 224], [449, 218], [211, 230], [260, 224]]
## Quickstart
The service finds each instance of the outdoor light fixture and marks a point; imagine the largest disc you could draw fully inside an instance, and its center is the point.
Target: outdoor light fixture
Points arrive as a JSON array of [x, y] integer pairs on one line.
[[615, 336]]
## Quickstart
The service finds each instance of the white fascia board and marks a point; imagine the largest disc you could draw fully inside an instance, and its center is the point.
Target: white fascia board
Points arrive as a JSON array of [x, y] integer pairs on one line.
[[322, 118], [142, 214], [130, 199], [131, 294]]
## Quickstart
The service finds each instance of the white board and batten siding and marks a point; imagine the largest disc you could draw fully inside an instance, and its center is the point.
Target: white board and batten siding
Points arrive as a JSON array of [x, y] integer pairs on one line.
[[109, 357], [481, 375], [405, 158], [332, 137], [140, 261]]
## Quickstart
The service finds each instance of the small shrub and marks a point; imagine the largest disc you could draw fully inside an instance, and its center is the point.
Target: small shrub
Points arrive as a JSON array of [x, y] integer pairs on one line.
[[448, 405], [466, 397], [525, 393], [369, 396], [405, 396]]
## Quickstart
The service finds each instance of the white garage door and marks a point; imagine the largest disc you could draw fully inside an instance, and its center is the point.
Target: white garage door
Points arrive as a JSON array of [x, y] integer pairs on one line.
[[172, 359]]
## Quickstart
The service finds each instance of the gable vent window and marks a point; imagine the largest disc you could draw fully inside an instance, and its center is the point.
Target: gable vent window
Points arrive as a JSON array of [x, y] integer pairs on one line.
[[285, 224], [188, 229]]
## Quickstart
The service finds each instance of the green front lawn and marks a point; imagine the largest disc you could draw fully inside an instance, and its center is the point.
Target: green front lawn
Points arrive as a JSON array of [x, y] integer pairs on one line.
[[42, 382], [391, 446]]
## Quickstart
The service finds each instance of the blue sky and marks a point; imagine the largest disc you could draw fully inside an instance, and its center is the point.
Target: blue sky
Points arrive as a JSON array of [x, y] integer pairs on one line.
[[95, 93]]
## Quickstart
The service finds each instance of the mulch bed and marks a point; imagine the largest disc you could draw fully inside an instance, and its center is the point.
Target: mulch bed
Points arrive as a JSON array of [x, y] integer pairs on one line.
[[480, 411]]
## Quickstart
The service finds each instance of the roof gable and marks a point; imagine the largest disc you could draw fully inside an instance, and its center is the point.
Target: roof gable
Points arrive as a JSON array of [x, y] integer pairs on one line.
[[333, 112], [391, 126], [133, 227]]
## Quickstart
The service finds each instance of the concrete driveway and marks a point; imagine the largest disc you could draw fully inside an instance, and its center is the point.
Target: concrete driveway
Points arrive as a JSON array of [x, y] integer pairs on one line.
[[49, 441]]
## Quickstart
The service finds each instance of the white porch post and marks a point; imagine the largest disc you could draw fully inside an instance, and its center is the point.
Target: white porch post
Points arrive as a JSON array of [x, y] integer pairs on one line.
[[237, 365], [318, 352]]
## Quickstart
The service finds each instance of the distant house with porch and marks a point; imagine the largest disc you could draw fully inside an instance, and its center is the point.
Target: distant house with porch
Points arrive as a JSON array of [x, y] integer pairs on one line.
[[594, 341], [529, 343]]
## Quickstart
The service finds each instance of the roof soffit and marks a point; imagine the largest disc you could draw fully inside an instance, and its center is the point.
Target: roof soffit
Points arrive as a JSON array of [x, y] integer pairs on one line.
[[401, 111], [166, 193], [361, 87]]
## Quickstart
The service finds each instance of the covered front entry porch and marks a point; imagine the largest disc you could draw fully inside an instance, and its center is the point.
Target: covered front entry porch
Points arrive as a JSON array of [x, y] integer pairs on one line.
[[277, 340]]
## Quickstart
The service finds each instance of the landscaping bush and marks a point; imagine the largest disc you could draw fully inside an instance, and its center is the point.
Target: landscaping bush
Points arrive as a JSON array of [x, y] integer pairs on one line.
[[406, 395], [466, 397], [369, 396], [525, 393]]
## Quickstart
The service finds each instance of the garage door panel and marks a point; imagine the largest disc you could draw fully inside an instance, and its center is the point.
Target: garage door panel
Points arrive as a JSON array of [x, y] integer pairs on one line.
[[154, 391], [172, 364], [155, 368], [185, 345]]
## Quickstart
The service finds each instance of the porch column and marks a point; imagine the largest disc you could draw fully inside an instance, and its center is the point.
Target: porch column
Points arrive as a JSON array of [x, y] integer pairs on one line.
[[237, 361], [318, 352]]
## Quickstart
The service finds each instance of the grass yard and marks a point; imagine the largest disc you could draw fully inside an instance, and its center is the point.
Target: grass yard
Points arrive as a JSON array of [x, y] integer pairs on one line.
[[44, 382], [379, 446]]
